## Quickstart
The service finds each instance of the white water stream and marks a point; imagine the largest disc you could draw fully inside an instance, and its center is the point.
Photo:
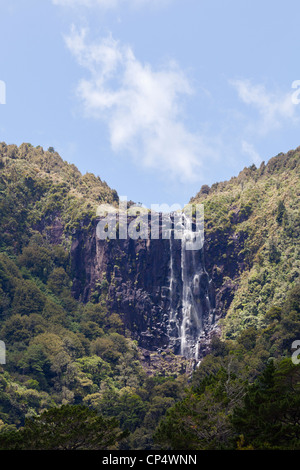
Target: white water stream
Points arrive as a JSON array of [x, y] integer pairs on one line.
[[188, 326]]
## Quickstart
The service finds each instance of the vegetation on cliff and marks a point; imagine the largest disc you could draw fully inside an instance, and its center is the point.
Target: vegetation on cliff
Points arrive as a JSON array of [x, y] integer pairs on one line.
[[252, 229]]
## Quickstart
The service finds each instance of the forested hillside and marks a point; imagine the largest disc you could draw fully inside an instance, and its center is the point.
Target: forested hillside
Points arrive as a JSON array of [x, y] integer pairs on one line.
[[69, 361], [252, 228]]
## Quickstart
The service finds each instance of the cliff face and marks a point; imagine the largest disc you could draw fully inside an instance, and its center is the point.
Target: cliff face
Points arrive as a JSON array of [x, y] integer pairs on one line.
[[163, 293], [133, 277]]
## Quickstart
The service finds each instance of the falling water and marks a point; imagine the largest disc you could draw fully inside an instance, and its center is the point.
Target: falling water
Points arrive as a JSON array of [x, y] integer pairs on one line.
[[191, 325], [173, 325], [187, 328]]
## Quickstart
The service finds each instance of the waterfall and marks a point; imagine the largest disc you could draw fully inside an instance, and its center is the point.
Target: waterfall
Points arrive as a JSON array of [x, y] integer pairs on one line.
[[186, 317], [173, 325], [191, 324]]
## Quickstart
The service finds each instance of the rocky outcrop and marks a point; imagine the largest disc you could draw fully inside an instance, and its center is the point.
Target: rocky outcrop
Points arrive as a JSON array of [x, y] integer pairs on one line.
[[133, 276], [136, 279]]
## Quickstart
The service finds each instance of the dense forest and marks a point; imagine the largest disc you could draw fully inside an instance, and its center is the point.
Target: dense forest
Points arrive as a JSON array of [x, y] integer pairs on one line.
[[76, 378]]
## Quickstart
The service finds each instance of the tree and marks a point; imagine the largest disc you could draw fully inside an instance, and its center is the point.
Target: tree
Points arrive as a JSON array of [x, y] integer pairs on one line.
[[58, 280], [126, 406], [66, 428], [281, 212], [35, 362], [28, 299], [270, 415], [37, 259], [201, 420]]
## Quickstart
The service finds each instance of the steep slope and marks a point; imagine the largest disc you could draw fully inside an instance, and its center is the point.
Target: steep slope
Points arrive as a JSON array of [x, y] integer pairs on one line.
[[60, 350], [42, 192], [252, 251]]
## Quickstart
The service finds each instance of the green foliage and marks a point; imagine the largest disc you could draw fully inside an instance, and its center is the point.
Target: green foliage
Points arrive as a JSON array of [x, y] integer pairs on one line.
[[127, 406], [270, 415], [200, 421], [252, 238], [22, 328], [95, 368], [109, 347], [35, 185], [281, 212], [28, 299], [37, 260], [65, 428], [240, 397], [58, 281], [63, 354]]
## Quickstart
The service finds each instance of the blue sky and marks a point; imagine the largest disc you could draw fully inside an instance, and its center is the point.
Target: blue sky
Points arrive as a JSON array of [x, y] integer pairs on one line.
[[157, 97]]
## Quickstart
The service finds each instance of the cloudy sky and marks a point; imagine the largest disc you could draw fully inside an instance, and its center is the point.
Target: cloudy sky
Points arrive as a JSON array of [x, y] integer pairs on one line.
[[157, 97]]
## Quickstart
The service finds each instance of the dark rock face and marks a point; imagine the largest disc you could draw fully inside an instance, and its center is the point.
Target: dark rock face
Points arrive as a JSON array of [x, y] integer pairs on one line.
[[136, 272], [224, 258], [136, 276]]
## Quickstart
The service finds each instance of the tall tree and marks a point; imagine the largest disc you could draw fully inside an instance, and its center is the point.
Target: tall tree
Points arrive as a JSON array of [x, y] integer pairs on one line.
[[270, 415]]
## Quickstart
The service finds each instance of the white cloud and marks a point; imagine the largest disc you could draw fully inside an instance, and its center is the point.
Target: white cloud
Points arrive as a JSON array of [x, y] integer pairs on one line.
[[249, 150], [274, 108], [141, 106]]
